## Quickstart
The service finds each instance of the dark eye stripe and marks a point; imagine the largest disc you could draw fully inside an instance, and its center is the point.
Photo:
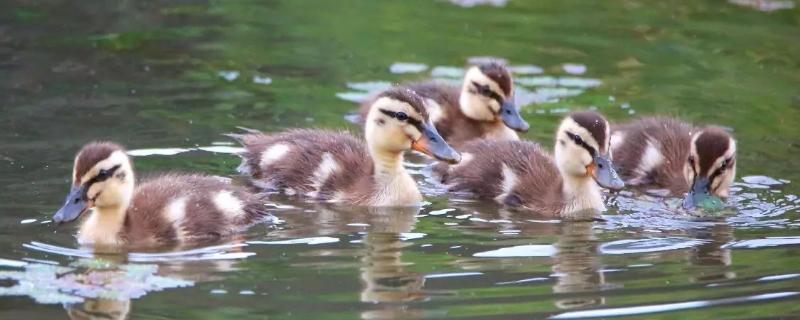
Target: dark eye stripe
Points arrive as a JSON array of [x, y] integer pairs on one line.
[[718, 172], [577, 139], [98, 178], [487, 92], [412, 121]]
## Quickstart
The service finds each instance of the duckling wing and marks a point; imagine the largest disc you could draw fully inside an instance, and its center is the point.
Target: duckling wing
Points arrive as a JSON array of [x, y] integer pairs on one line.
[[175, 208], [517, 173], [315, 163]]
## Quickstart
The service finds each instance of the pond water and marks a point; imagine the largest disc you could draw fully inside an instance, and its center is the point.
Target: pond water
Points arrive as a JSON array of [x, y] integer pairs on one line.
[[168, 78]]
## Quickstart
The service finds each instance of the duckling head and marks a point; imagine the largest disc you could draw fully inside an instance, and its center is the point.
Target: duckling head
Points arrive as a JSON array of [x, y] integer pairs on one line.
[[487, 95], [102, 178], [711, 166], [582, 149], [398, 121]]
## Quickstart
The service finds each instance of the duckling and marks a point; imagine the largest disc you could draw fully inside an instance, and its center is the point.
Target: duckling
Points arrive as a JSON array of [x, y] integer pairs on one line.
[[169, 209], [483, 108], [670, 154], [337, 167], [521, 174]]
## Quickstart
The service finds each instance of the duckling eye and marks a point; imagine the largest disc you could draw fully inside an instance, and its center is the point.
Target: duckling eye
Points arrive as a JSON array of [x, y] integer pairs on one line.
[[724, 165], [402, 116], [103, 173], [691, 160]]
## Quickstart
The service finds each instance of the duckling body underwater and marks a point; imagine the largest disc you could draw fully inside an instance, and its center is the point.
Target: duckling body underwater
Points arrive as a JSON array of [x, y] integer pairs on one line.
[[521, 174], [482, 108], [168, 209], [337, 167], [677, 156]]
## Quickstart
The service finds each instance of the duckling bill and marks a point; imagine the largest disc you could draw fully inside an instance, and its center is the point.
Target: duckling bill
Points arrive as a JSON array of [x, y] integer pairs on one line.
[[521, 174], [168, 209], [338, 167]]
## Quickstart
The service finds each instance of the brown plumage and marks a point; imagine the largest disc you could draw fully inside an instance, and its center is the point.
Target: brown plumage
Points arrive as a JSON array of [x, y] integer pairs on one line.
[[333, 166], [655, 152], [522, 174], [538, 182], [449, 117], [672, 138], [146, 223], [293, 172], [168, 209]]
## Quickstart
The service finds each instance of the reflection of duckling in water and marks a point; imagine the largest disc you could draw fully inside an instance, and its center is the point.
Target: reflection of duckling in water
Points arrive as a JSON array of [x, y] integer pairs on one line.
[[577, 262], [175, 273], [97, 309], [168, 210], [384, 277]]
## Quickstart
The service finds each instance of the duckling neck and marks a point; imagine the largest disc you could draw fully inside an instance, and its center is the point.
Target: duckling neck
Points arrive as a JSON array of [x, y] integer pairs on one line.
[[394, 186], [103, 226], [498, 131], [582, 198]]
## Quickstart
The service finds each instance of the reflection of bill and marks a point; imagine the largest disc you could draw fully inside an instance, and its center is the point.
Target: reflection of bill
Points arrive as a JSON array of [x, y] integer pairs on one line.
[[711, 255], [97, 309], [577, 264]]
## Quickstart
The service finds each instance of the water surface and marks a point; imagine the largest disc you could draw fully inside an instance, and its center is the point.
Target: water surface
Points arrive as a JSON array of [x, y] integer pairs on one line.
[[168, 78]]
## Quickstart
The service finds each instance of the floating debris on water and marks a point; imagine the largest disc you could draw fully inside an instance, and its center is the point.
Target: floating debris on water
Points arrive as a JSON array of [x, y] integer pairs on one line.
[[486, 59], [473, 3], [229, 75], [447, 72], [407, 67], [356, 97], [765, 5], [526, 69], [262, 80], [573, 68], [370, 86]]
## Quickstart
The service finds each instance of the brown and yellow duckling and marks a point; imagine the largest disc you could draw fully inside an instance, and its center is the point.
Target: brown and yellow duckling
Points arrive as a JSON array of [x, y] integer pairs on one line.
[[166, 210], [522, 174], [338, 167], [670, 154], [483, 108]]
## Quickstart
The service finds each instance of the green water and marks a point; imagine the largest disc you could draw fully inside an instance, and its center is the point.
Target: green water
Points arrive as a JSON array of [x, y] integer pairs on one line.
[[179, 74]]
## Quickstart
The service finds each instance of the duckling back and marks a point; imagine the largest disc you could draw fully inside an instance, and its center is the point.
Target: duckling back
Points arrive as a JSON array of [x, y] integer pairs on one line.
[[653, 152], [177, 208], [515, 173], [314, 163]]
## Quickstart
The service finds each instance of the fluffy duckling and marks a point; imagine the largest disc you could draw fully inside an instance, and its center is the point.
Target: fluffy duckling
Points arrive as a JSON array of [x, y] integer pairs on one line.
[[337, 167], [674, 155], [170, 209], [521, 174], [482, 108]]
